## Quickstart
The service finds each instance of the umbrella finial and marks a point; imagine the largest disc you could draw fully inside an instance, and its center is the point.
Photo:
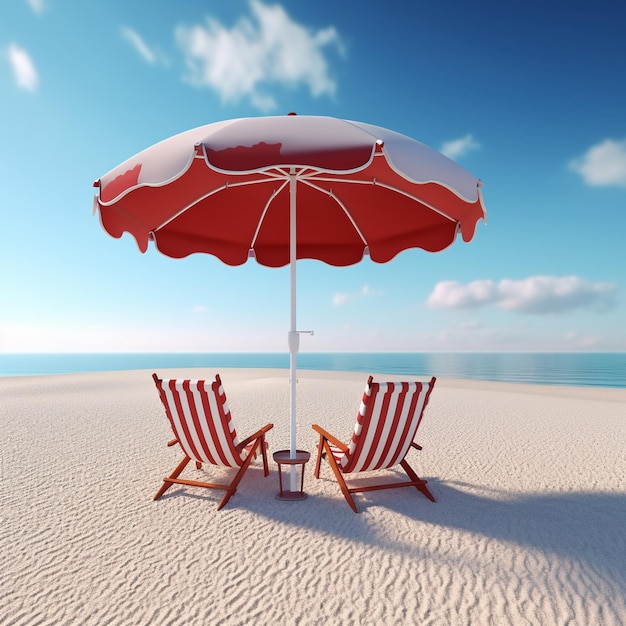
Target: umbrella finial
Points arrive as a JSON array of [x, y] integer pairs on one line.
[[291, 113]]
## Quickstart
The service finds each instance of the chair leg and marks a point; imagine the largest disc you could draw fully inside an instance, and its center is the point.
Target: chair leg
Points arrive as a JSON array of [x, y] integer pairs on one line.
[[232, 488], [175, 474], [226, 498], [266, 469], [340, 479], [420, 484], [318, 462]]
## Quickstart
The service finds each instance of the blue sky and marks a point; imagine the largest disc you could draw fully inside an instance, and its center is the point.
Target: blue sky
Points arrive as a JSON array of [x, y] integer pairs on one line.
[[530, 97]]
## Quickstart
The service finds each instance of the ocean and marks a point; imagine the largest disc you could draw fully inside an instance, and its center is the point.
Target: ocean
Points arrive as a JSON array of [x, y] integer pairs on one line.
[[576, 369]]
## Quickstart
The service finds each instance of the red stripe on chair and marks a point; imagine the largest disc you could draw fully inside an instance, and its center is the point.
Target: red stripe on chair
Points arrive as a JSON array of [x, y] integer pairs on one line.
[[195, 420], [369, 449], [361, 427], [222, 433], [215, 457], [387, 422], [402, 394], [201, 421], [406, 426], [180, 422], [362, 419], [229, 435], [429, 389], [362, 415]]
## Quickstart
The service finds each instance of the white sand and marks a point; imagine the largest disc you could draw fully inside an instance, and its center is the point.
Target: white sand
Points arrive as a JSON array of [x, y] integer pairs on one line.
[[529, 525]]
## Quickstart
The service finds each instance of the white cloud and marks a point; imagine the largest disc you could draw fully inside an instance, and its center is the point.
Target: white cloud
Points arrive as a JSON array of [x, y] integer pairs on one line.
[[460, 147], [340, 299], [453, 295], [603, 164], [139, 44], [550, 294], [36, 5], [23, 68], [268, 49], [536, 294]]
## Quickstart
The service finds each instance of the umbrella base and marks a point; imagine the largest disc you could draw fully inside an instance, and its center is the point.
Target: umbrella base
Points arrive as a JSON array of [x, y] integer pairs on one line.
[[291, 496], [283, 457]]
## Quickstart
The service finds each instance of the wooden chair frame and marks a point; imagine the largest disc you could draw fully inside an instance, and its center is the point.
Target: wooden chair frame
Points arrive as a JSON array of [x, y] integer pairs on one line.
[[252, 445], [323, 449]]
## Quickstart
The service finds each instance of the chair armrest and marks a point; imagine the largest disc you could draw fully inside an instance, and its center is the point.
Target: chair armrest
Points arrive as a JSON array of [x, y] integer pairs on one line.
[[256, 435], [326, 435], [416, 446], [172, 443]]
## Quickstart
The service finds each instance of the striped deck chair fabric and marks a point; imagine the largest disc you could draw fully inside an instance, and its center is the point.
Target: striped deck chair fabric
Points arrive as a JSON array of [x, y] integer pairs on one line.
[[203, 427], [384, 432]]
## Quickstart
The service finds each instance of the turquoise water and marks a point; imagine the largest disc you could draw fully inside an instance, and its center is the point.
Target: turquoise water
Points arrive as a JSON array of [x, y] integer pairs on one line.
[[577, 369]]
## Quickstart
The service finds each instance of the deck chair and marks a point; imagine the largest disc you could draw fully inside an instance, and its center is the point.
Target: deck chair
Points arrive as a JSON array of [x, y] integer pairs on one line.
[[384, 432], [200, 419]]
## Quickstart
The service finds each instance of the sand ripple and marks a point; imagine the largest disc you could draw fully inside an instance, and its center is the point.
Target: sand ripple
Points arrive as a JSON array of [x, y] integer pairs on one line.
[[528, 527]]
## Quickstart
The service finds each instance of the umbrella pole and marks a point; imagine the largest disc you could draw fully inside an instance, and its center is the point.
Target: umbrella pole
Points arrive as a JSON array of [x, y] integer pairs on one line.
[[294, 337]]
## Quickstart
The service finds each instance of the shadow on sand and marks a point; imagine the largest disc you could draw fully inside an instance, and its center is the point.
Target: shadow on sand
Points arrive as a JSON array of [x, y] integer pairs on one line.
[[581, 526]]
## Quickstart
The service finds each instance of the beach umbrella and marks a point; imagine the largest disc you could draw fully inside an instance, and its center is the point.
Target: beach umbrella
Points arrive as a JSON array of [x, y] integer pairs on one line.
[[291, 187]]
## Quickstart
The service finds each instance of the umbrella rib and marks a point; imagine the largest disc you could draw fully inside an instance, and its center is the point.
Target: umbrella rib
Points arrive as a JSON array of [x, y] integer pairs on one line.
[[341, 204], [265, 209], [226, 185], [377, 183], [188, 206]]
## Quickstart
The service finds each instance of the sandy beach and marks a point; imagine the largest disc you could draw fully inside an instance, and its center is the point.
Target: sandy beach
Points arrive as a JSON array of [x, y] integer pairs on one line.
[[528, 527]]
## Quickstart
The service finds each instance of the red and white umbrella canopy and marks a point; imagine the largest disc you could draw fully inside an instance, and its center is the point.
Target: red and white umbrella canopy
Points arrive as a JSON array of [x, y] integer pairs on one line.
[[286, 188], [223, 189]]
